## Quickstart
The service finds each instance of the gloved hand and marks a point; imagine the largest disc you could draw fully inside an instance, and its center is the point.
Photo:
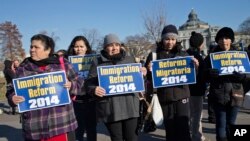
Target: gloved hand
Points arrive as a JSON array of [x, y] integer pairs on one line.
[[214, 73], [238, 76]]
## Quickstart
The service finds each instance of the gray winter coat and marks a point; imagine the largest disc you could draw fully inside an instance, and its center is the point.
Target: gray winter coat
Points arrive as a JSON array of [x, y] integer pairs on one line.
[[112, 108]]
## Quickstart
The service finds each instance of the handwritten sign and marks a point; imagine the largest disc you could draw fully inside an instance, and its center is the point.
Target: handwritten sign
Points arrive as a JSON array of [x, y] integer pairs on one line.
[[173, 71], [121, 79], [42, 91], [229, 61]]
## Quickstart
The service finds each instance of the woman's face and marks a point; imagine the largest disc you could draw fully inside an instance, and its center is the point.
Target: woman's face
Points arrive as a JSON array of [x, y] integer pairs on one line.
[[113, 48], [225, 43], [80, 47], [16, 63], [37, 50], [169, 43]]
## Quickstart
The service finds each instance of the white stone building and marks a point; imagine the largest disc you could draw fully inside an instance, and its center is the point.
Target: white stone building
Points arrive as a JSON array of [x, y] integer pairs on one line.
[[209, 32]]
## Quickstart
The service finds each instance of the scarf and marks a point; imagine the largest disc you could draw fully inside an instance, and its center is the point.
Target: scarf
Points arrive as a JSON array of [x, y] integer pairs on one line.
[[114, 58], [45, 62]]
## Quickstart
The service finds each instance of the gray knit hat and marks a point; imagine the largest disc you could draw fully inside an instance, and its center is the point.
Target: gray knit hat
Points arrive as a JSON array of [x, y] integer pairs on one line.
[[111, 38]]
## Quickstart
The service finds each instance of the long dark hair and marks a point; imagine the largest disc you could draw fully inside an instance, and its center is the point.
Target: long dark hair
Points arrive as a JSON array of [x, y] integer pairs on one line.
[[72, 44]]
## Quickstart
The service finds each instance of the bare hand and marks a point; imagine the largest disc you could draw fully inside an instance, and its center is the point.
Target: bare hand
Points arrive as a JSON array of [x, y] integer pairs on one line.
[[144, 71], [17, 99], [67, 85], [196, 62], [149, 66], [99, 91]]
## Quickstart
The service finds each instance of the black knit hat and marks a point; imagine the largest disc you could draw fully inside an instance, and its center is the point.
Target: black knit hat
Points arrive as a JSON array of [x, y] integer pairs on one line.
[[169, 30], [196, 39], [225, 32]]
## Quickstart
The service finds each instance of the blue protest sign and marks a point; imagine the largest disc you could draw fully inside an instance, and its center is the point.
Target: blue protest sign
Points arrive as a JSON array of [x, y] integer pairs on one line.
[[42, 91], [82, 64], [121, 79], [173, 71], [229, 61]]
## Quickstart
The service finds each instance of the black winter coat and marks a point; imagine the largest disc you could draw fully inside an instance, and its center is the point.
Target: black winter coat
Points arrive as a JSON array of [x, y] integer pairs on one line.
[[199, 88], [173, 93], [223, 87]]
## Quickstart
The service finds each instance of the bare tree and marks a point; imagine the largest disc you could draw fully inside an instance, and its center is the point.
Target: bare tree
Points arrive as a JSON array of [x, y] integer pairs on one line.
[[245, 26], [138, 46], [52, 35], [10, 42], [94, 38], [154, 21]]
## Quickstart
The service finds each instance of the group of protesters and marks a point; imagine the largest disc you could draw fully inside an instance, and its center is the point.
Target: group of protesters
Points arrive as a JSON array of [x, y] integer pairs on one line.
[[181, 104]]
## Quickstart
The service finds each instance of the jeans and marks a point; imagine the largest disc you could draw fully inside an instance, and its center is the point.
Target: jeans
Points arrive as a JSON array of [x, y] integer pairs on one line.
[[225, 116]]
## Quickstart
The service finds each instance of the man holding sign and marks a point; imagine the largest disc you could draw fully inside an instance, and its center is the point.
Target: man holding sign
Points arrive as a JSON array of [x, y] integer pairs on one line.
[[225, 69], [39, 75], [174, 92], [118, 105]]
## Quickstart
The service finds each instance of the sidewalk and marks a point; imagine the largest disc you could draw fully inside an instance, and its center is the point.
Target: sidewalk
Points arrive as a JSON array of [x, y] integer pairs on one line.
[[10, 128]]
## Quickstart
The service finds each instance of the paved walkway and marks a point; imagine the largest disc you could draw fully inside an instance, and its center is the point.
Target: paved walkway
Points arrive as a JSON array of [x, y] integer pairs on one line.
[[10, 128]]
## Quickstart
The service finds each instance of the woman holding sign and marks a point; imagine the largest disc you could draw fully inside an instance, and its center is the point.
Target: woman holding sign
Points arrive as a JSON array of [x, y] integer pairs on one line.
[[84, 105], [118, 112], [226, 91], [174, 100], [53, 123]]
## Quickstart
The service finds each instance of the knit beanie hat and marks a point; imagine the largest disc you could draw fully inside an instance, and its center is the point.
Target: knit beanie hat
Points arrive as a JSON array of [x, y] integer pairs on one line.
[[111, 38], [225, 32], [196, 39], [169, 31]]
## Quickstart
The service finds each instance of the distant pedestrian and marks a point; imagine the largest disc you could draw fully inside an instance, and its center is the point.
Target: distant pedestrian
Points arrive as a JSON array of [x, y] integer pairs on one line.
[[9, 74], [197, 91], [62, 52]]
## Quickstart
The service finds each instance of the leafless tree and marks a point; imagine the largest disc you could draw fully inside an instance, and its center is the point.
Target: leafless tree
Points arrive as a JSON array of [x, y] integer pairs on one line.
[[52, 35], [10, 42], [154, 21], [94, 37], [245, 26], [138, 46]]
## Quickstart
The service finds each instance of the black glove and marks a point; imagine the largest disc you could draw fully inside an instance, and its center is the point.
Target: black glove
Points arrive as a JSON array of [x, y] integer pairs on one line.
[[239, 76], [214, 73]]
